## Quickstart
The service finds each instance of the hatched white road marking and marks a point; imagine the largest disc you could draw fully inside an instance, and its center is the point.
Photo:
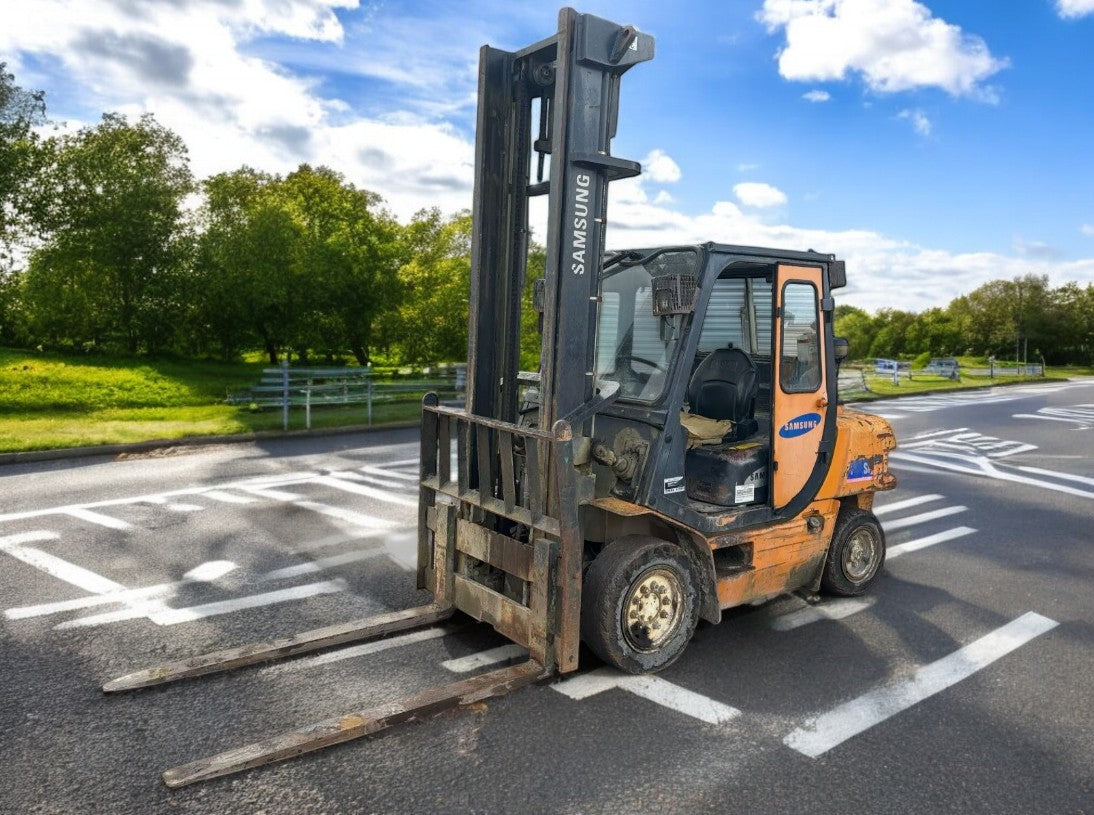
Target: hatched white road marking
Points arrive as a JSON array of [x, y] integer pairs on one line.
[[980, 465], [368, 492], [503, 653], [363, 649], [320, 564], [205, 573], [923, 517], [54, 566], [930, 540], [369, 470], [358, 519], [828, 610], [1082, 479], [20, 538], [272, 494], [97, 518], [652, 688], [227, 497], [828, 730], [160, 615], [907, 503]]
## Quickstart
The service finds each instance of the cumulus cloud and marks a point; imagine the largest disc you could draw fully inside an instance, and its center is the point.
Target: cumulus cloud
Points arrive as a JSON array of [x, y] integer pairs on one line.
[[1074, 8], [920, 123], [1087, 229], [816, 96], [758, 195], [659, 166], [895, 45]]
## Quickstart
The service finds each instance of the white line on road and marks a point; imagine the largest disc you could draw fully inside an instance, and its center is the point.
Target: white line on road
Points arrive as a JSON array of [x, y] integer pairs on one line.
[[227, 497], [54, 566], [320, 564], [653, 688], [359, 519], [907, 503], [830, 729], [96, 518], [362, 650], [922, 543], [829, 610], [38, 535], [205, 573], [271, 494], [368, 492], [922, 518], [173, 616], [503, 653], [1066, 476], [979, 465], [370, 470]]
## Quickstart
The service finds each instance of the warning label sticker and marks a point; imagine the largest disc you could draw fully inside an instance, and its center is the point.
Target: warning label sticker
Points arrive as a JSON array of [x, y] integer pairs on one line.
[[674, 484], [743, 493]]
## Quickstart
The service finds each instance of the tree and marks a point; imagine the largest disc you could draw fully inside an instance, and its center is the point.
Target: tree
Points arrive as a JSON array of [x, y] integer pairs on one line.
[[346, 260], [109, 207], [430, 323], [20, 111], [857, 327]]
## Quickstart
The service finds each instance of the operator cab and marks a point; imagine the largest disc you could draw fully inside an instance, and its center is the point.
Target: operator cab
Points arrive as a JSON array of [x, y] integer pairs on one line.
[[723, 341]]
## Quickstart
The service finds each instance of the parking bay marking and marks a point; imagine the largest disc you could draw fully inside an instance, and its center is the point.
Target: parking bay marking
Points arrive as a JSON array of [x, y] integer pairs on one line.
[[907, 503], [923, 517], [828, 730]]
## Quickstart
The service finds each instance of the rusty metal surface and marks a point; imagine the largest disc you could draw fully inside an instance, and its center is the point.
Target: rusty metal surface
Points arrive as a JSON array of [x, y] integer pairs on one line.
[[509, 618], [355, 725], [500, 551], [302, 643], [571, 551], [860, 460]]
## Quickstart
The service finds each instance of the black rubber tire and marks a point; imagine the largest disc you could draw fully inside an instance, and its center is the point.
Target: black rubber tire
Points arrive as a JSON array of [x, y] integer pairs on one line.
[[853, 526], [620, 568]]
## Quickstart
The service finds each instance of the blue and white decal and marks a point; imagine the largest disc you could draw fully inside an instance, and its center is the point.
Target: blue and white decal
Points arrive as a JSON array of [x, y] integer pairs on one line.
[[800, 425], [860, 470]]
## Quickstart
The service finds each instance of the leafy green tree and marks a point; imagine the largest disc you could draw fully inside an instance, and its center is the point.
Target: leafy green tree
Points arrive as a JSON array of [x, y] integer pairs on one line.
[[20, 111], [346, 259], [108, 204], [857, 327], [430, 324]]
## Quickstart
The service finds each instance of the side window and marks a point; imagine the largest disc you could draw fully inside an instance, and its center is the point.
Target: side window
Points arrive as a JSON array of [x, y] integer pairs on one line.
[[799, 366], [724, 322]]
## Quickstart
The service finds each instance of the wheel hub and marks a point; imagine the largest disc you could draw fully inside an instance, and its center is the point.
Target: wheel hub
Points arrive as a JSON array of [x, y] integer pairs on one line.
[[653, 609], [860, 556]]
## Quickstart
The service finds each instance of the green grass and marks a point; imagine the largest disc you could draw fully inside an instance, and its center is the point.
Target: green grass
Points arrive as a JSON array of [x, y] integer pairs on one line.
[[52, 401]]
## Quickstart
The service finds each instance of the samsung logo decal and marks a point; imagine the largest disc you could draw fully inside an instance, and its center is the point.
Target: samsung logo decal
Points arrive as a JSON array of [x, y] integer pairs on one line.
[[800, 425]]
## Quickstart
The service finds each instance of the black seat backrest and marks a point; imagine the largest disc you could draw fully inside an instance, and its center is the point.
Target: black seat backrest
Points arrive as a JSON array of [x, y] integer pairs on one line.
[[724, 386]]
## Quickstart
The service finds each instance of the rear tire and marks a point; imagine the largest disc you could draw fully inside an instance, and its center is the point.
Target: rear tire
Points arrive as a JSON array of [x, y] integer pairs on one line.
[[856, 554], [639, 604]]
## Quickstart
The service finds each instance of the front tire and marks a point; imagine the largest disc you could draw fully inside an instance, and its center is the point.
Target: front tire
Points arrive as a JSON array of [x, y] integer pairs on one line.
[[639, 604], [856, 554]]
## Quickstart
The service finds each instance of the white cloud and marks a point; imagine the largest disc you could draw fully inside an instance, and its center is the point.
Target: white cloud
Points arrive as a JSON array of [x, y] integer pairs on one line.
[[658, 166], [1087, 229], [758, 195], [919, 120], [1074, 8], [896, 45], [816, 96]]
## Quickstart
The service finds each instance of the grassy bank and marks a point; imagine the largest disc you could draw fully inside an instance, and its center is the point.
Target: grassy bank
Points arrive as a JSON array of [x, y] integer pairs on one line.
[[50, 401]]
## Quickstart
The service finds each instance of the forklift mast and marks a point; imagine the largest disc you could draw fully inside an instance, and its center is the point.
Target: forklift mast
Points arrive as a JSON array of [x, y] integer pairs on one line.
[[567, 88]]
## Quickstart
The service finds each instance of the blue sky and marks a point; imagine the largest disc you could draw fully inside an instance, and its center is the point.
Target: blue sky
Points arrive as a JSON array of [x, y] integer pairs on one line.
[[935, 145]]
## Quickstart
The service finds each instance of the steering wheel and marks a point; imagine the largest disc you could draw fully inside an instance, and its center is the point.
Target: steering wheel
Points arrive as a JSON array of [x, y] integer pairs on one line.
[[632, 358]]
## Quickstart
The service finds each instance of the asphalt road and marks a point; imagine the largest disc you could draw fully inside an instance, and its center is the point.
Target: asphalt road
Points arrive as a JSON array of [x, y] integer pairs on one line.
[[963, 683]]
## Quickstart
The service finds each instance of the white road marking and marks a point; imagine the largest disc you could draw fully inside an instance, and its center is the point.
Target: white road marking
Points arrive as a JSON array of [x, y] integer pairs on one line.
[[907, 503], [205, 573], [183, 507], [1066, 476], [503, 653], [351, 535], [369, 470], [979, 465], [828, 610], [923, 517], [359, 519], [20, 538], [97, 518], [54, 566], [174, 616], [227, 497], [932, 433], [368, 492], [821, 734], [922, 543], [320, 564], [653, 688], [363, 649], [272, 494]]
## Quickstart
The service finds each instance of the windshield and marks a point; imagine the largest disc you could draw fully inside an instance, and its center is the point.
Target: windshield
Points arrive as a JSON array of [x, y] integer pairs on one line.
[[633, 345]]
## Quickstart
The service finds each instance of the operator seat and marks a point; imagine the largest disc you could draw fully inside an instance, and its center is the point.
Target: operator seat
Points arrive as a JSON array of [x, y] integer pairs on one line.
[[724, 386]]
